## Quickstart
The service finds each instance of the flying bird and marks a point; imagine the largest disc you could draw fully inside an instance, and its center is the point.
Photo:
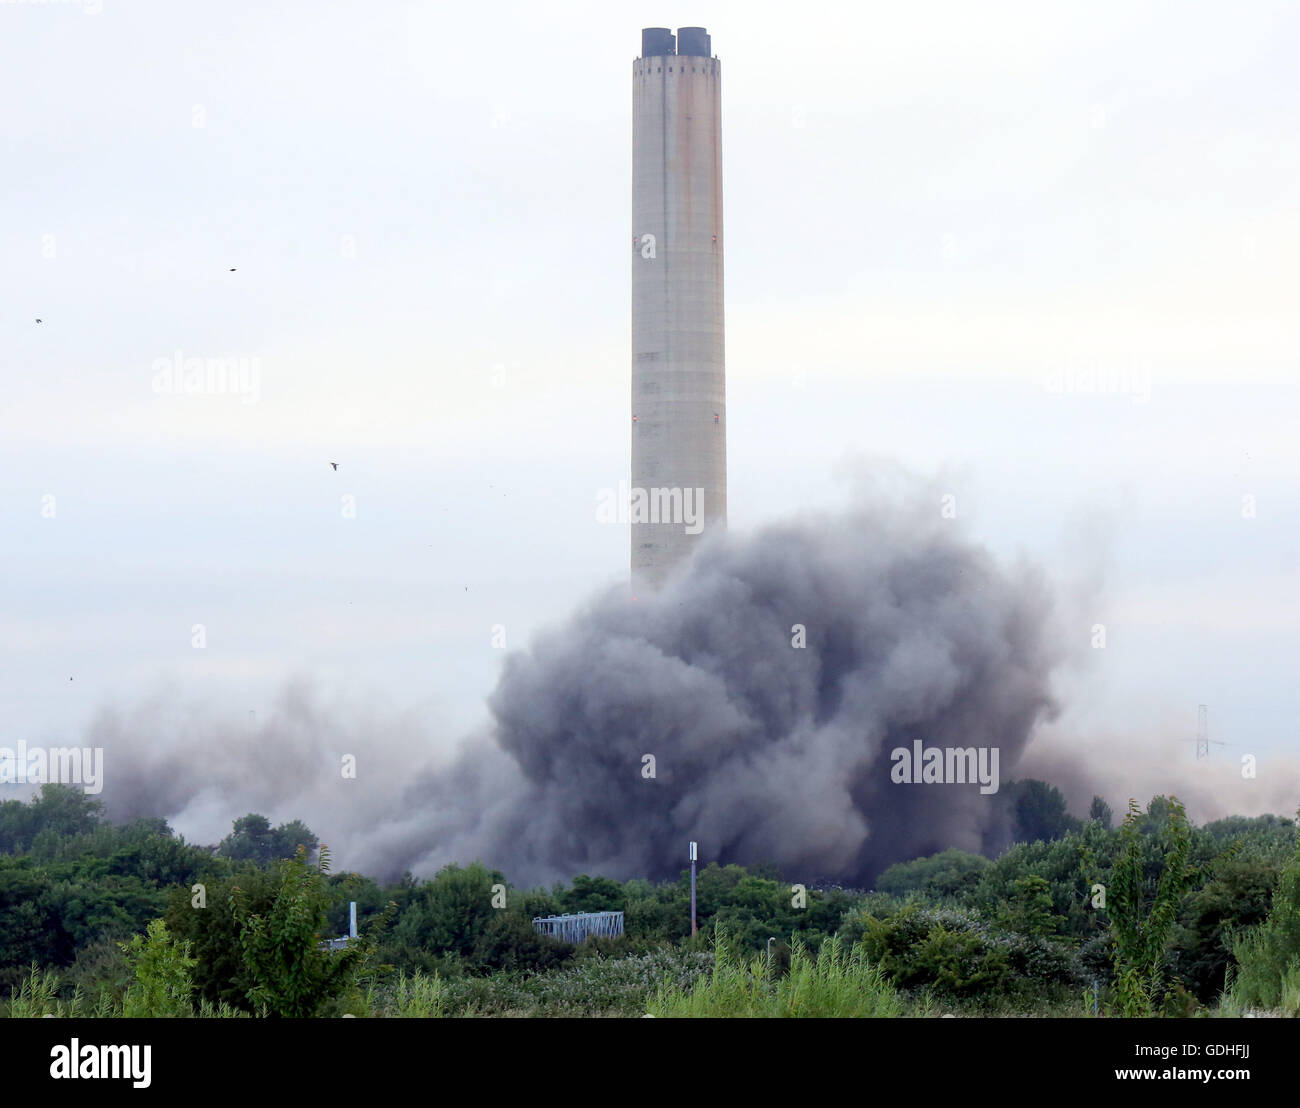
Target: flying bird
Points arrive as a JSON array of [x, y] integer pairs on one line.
[[38, 321], [335, 465], [232, 271]]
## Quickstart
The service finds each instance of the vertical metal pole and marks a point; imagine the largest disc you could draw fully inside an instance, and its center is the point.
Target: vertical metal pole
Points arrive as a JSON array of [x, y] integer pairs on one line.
[[692, 888]]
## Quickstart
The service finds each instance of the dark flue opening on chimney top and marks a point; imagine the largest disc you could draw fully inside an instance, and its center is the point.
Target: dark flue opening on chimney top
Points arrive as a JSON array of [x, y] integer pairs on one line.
[[657, 42], [694, 42]]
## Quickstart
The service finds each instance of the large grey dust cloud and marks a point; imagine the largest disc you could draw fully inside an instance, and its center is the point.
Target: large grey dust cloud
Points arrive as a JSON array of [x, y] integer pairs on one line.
[[762, 750]]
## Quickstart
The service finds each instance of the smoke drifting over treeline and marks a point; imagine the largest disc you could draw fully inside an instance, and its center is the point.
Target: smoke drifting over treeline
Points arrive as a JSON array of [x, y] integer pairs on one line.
[[768, 683]]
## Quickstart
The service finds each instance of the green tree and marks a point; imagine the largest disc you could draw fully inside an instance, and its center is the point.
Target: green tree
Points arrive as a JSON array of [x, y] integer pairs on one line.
[[62, 810], [594, 894], [1236, 897], [160, 969], [1268, 958], [214, 929], [1100, 811], [1140, 932], [450, 913], [254, 840], [946, 874], [288, 837], [291, 974], [1039, 811]]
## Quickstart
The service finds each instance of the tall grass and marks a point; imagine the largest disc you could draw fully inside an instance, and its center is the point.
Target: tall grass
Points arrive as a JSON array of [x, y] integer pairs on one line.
[[593, 987], [837, 982], [38, 996], [419, 996]]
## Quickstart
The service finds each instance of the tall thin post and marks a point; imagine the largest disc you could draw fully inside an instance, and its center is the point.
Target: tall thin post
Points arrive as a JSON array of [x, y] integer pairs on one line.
[[692, 888]]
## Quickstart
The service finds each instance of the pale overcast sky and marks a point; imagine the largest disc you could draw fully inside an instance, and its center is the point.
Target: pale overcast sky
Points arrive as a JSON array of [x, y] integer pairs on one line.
[[941, 219]]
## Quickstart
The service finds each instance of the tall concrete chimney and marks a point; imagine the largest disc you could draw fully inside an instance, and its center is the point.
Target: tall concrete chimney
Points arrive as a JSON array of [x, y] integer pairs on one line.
[[679, 410]]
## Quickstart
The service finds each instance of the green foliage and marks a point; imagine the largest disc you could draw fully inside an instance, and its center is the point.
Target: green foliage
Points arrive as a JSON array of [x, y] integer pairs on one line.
[[1235, 897], [1029, 910], [509, 942], [1001, 936], [1101, 812], [1068, 866], [834, 983], [948, 951], [290, 974], [452, 912], [38, 996], [592, 987], [1268, 958], [749, 905], [254, 840], [60, 810], [1036, 810], [213, 931], [1141, 933], [419, 996], [956, 956], [594, 894], [161, 969], [52, 910], [946, 874]]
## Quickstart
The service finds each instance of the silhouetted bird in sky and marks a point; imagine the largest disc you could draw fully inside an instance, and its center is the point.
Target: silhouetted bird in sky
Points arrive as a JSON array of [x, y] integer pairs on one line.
[[38, 321], [232, 271], [335, 465]]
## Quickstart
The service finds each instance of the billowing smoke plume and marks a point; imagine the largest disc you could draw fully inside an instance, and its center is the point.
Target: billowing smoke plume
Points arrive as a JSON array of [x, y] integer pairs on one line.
[[750, 705]]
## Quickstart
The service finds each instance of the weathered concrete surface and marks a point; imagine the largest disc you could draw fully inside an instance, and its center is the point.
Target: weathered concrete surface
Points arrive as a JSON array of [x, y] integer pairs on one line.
[[679, 426]]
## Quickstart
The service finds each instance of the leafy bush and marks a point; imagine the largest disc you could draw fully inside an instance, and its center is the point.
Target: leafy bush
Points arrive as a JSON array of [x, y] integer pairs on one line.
[[1268, 958], [161, 970], [956, 955], [1141, 934], [291, 975]]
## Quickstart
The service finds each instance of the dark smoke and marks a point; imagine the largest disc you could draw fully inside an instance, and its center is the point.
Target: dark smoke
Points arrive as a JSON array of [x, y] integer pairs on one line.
[[762, 752]]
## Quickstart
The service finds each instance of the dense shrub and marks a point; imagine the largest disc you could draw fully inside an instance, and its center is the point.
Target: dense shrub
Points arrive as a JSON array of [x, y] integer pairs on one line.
[[1268, 958], [946, 874]]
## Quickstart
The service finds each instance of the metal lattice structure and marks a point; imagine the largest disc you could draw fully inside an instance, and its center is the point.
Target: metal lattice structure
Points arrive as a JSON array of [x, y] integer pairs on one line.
[[579, 926]]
